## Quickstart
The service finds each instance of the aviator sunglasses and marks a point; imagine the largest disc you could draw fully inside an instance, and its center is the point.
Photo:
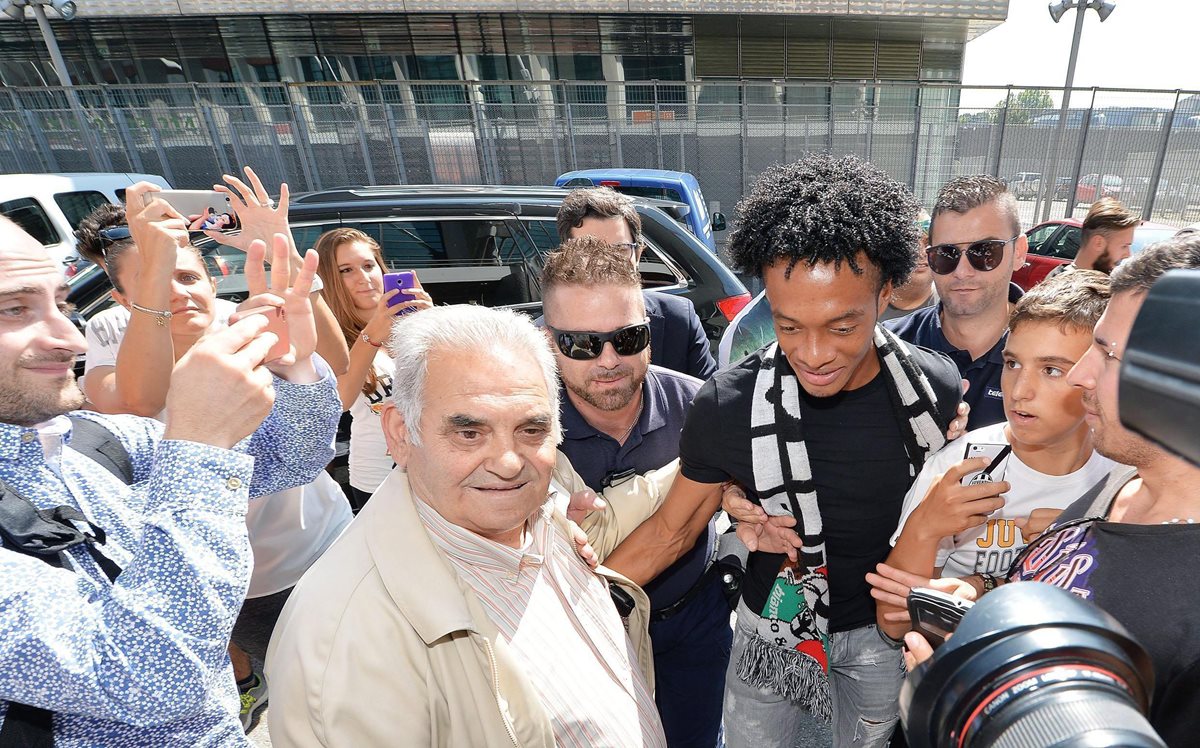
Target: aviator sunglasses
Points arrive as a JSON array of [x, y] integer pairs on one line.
[[983, 255], [583, 346]]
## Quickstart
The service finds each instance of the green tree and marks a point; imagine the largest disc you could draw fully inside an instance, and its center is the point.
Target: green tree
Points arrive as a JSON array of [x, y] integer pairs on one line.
[[1026, 105]]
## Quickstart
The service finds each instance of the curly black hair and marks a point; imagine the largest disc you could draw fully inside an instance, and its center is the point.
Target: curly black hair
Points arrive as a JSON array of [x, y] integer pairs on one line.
[[827, 209]]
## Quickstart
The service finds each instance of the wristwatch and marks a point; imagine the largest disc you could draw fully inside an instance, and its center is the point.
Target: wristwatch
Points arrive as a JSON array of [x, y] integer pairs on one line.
[[989, 582]]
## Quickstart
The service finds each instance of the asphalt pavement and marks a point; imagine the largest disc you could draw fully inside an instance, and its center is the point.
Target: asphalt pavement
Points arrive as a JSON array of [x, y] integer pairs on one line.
[[252, 633]]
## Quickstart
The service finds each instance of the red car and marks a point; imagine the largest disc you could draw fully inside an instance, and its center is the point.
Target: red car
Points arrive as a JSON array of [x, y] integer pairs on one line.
[[1055, 243], [1086, 191]]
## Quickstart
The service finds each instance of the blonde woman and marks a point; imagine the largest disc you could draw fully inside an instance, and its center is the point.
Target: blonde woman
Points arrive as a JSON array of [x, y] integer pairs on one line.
[[353, 264]]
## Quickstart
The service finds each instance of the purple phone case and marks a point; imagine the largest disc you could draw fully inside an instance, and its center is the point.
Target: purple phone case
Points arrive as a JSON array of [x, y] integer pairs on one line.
[[403, 280]]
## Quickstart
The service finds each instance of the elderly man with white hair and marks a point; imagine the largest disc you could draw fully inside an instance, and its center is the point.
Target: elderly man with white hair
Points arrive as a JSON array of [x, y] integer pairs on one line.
[[456, 611]]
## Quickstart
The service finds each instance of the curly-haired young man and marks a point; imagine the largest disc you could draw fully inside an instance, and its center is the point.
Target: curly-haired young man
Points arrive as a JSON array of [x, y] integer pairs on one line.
[[825, 429]]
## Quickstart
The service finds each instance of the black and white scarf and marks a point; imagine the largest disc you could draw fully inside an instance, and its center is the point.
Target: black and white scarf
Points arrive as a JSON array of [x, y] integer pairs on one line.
[[788, 653]]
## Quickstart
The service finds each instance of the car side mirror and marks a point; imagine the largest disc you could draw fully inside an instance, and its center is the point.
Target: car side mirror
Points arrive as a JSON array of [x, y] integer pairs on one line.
[[718, 221]]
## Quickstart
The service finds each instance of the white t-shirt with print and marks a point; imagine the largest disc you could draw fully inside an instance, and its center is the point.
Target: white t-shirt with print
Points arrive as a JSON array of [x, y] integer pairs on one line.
[[288, 529], [369, 460], [991, 547]]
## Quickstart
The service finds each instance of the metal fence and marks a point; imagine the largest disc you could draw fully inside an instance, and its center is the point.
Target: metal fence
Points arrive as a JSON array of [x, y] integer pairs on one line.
[[1142, 145]]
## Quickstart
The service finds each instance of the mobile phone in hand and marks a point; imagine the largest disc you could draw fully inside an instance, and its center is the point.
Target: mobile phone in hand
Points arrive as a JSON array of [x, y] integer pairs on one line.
[[403, 281], [935, 614], [192, 202], [995, 454], [276, 323]]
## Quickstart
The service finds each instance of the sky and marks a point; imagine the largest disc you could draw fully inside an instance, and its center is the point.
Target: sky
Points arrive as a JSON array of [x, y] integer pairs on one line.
[[1143, 44]]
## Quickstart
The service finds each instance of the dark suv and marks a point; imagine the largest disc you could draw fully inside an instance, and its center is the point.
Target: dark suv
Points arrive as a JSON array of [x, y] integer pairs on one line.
[[477, 245], [484, 245]]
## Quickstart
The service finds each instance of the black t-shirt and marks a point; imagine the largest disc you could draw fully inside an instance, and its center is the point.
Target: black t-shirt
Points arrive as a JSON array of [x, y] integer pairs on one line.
[[856, 451], [1145, 577]]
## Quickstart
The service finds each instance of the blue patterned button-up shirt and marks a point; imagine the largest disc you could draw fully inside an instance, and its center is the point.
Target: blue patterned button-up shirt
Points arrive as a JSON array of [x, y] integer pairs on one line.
[[143, 661]]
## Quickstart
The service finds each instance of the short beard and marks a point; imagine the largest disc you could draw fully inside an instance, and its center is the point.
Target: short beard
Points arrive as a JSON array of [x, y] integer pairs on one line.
[[1104, 263], [25, 409], [612, 399]]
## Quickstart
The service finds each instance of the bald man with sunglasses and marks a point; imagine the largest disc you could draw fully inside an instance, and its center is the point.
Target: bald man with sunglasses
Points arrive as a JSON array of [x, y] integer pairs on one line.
[[975, 244], [622, 416]]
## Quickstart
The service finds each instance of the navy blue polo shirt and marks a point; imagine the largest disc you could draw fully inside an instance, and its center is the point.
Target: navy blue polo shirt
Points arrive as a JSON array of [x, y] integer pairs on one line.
[[924, 328], [666, 396]]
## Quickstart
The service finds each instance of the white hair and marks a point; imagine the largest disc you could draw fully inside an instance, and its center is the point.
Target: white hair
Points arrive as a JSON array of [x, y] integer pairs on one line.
[[468, 328]]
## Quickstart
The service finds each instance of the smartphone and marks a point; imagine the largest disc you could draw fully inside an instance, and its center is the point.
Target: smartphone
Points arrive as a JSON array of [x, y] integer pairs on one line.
[[276, 323], [404, 281], [193, 202], [935, 614], [995, 454]]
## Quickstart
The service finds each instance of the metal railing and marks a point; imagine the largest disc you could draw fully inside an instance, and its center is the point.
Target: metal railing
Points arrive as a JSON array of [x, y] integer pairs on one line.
[[1143, 146]]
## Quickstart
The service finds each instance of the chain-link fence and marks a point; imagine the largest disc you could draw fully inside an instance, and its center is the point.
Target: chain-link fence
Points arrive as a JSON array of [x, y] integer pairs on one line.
[[1142, 146]]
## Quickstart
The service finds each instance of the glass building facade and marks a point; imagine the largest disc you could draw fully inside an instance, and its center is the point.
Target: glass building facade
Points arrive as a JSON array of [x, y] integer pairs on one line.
[[145, 49]]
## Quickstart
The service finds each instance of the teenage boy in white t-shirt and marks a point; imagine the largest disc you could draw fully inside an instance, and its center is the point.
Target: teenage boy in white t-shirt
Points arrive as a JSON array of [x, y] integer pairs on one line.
[[950, 529]]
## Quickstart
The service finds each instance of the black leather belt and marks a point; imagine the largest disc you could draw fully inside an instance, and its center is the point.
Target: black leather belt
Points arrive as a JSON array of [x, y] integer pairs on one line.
[[663, 614]]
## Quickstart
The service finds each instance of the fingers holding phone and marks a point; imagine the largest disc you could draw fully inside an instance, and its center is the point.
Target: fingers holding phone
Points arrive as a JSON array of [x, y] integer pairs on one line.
[[950, 507], [409, 296]]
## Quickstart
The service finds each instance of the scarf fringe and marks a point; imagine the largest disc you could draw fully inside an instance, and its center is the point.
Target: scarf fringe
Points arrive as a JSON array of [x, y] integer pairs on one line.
[[787, 673]]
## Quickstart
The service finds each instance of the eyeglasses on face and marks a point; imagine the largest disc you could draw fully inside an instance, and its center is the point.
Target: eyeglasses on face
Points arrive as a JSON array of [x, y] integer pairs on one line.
[[983, 255], [584, 346]]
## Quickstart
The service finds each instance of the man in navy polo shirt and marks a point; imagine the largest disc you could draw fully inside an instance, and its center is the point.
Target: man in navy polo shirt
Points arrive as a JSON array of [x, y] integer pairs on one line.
[[620, 416], [975, 245]]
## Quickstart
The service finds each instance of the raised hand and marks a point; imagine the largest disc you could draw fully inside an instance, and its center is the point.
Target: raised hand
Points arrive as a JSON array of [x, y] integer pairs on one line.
[[259, 217], [157, 229], [223, 373], [294, 298]]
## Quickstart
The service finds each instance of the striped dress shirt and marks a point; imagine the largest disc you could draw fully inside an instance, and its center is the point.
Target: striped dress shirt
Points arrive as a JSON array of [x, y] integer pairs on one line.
[[558, 618]]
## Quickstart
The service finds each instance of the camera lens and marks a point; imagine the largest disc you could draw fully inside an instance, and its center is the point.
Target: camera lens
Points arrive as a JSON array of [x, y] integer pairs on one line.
[[1031, 666]]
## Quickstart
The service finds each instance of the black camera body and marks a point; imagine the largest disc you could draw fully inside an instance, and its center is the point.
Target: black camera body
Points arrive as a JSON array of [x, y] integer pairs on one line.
[[1031, 666]]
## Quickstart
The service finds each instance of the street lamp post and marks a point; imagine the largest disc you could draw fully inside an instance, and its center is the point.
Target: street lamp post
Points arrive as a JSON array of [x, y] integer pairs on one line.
[[1104, 9], [15, 9]]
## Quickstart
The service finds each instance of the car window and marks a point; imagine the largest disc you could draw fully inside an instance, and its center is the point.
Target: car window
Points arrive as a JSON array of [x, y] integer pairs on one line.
[[1039, 236], [31, 216], [1066, 244], [1145, 237], [656, 271], [77, 205], [120, 193], [657, 193]]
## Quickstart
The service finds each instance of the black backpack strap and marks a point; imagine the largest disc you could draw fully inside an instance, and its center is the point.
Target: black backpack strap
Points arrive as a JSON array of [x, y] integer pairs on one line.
[[45, 534], [101, 445], [27, 727], [1106, 489]]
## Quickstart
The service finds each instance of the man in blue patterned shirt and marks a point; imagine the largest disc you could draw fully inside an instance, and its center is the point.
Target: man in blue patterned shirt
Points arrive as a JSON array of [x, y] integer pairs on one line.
[[142, 660]]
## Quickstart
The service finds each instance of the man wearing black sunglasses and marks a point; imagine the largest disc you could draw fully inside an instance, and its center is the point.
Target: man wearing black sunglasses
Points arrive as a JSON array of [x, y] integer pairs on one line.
[[620, 416], [975, 245], [677, 336]]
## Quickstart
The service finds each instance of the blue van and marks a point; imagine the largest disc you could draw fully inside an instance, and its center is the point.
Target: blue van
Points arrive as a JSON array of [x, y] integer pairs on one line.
[[675, 186]]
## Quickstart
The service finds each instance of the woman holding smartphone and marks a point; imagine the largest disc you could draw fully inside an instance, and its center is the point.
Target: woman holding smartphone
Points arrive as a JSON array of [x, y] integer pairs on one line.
[[353, 264]]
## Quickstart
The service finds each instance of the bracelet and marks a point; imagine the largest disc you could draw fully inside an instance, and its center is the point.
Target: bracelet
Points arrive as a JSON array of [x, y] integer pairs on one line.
[[368, 341], [162, 317]]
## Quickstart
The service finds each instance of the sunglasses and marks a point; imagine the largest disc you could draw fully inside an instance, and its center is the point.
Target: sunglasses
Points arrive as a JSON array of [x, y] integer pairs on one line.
[[114, 234], [983, 255], [584, 346]]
